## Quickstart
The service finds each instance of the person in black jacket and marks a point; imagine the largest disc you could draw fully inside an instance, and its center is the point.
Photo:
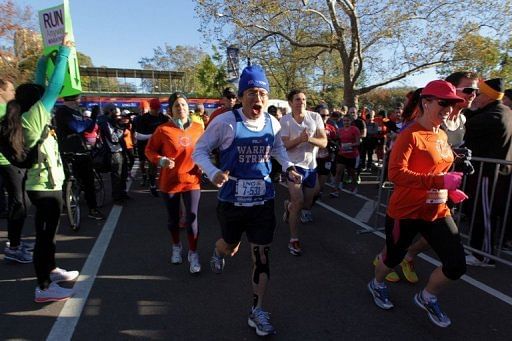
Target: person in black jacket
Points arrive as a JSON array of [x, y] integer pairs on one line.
[[488, 135], [70, 126], [144, 126], [111, 135]]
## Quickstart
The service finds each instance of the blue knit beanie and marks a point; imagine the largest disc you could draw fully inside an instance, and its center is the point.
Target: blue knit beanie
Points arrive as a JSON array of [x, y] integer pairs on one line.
[[252, 77]]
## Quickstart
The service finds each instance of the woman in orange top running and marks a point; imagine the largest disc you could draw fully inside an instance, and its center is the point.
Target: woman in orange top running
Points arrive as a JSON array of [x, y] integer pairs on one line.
[[419, 167], [171, 147]]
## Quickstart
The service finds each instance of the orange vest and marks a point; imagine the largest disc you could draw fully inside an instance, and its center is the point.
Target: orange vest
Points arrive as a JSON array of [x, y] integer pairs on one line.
[[416, 162], [170, 141]]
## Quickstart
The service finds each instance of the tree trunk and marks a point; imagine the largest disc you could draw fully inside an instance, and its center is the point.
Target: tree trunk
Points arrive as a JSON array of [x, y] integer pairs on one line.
[[349, 96]]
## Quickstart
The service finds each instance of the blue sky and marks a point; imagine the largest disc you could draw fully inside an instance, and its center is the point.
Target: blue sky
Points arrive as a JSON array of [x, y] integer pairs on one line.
[[117, 33]]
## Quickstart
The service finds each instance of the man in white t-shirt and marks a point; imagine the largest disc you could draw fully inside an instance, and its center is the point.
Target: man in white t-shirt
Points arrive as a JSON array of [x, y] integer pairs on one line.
[[303, 133]]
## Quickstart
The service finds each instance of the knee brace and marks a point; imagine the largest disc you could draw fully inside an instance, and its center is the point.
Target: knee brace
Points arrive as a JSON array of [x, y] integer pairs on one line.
[[259, 266]]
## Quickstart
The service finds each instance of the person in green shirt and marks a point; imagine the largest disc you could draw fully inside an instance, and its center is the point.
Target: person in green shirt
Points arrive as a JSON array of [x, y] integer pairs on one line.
[[30, 118]]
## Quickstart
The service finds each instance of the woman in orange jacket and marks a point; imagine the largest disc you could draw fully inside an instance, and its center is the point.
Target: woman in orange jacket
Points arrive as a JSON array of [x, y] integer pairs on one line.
[[171, 147], [419, 166]]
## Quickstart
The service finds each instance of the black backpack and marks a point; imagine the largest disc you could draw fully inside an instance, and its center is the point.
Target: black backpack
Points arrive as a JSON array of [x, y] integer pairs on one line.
[[27, 158]]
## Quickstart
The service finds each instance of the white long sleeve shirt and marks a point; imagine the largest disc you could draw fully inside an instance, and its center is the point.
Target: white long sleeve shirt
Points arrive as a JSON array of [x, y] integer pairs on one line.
[[220, 134]]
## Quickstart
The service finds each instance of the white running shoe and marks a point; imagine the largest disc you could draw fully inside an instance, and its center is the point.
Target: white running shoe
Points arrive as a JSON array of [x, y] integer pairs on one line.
[[53, 293], [193, 259], [176, 254], [61, 275], [473, 261]]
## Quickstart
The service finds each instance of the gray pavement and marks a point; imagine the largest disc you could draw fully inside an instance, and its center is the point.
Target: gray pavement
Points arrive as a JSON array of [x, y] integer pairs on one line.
[[322, 295]]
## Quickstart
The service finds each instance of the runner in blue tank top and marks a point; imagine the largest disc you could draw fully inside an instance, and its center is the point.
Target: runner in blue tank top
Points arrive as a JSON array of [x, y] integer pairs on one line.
[[246, 139]]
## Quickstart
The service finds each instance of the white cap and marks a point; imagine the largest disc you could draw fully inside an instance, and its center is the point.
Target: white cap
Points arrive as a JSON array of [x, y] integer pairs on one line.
[[87, 113]]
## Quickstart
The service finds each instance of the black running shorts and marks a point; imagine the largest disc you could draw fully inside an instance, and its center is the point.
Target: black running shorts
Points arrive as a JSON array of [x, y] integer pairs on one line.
[[258, 222]]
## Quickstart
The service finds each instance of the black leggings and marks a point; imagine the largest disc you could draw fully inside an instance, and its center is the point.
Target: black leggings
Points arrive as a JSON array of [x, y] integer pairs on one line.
[[83, 171], [441, 234], [48, 206], [14, 179], [191, 201]]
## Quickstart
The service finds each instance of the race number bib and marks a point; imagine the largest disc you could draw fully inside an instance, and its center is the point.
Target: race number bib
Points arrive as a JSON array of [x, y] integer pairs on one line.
[[250, 188], [328, 165], [437, 196], [346, 147]]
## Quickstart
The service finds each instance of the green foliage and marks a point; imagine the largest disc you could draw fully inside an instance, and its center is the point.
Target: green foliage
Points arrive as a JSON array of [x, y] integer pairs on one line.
[[474, 52], [210, 79], [205, 76], [384, 98]]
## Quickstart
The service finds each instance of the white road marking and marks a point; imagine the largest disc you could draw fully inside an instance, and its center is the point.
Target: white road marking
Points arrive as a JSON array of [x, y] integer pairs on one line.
[[468, 279], [366, 212], [65, 325]]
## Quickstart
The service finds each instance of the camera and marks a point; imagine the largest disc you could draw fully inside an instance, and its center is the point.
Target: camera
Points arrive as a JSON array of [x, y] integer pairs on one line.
[[463, 160]]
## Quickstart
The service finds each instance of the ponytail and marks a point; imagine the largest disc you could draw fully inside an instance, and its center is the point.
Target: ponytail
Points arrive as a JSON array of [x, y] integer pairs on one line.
[[11, 129]]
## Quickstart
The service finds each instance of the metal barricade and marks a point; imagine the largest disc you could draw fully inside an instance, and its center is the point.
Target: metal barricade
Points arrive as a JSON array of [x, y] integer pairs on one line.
[[490, 191]]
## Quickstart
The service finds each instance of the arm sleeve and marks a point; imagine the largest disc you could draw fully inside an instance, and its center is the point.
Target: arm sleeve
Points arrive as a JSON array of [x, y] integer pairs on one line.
[[153, 147], [215, 136], [41, 70], [56, 81], [399, 172], [279, 150]]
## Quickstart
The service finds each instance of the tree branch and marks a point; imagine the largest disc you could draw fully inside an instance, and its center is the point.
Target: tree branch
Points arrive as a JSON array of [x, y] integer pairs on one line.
[[339, 31], [288, 38], [401, 76]]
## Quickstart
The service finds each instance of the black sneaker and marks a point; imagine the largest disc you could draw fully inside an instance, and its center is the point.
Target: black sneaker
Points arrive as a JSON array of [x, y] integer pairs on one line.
[[96, 214]]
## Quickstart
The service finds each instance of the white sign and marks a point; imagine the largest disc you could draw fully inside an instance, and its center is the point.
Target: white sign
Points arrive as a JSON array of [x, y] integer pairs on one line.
[[52, 25]]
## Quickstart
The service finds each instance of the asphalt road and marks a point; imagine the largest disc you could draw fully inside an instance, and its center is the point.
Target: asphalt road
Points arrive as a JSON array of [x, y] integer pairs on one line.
[[129, 290]]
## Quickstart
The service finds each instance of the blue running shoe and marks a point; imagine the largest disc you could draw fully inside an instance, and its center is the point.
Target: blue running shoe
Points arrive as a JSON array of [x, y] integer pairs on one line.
[[380, 296], [433, 309], [260, 320], [18, 254]]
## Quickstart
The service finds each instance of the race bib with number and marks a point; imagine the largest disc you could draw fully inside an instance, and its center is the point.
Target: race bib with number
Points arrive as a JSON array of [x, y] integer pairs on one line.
[[250, 188], [346, 147], [328, 165]]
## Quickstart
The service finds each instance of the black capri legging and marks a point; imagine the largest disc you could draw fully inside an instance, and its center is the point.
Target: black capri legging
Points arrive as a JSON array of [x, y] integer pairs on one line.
[[191, 203], [442, 235], [48, 206]]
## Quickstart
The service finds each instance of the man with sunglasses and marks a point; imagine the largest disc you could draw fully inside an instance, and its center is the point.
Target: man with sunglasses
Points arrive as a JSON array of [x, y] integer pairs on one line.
[[466, 84], [227, 101]]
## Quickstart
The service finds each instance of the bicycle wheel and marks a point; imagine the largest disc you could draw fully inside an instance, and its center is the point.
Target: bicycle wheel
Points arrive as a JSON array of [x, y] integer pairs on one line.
[[73, 203], [99, 189]]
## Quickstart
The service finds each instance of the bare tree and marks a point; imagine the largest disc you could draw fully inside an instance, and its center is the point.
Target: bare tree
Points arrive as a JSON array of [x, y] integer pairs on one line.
[[385, 40]]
